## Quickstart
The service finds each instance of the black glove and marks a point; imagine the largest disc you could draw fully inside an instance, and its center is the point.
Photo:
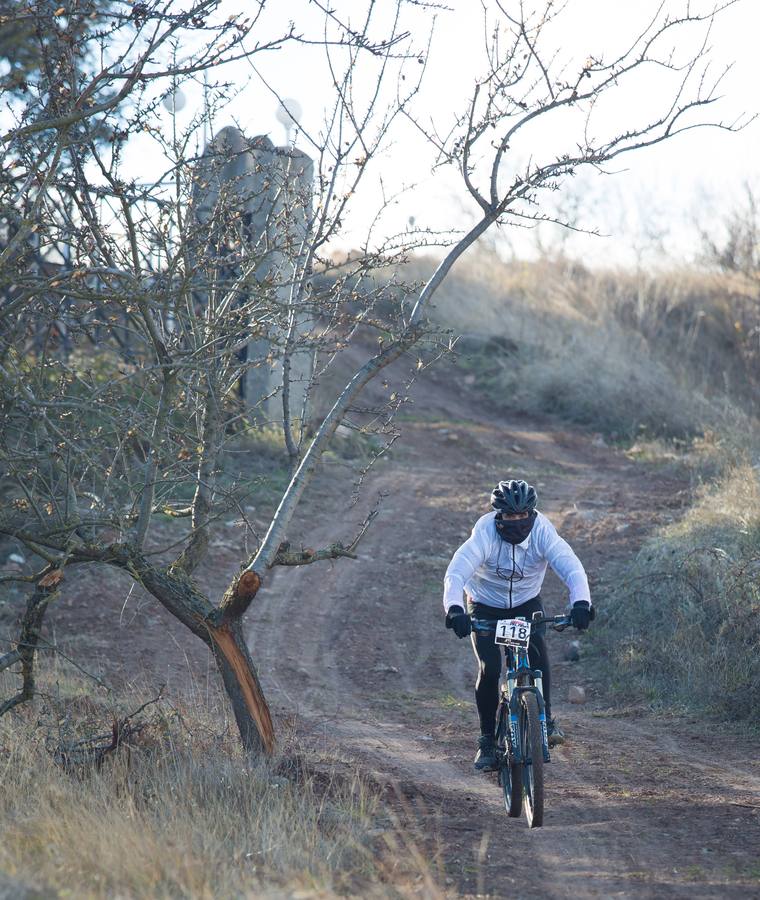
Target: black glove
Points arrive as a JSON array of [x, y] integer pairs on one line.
[[458, 620], [581, 614]]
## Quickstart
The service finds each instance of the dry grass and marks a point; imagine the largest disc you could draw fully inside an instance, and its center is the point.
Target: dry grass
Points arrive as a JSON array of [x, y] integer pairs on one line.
[[177, 814], [682, 625], [627, 354]]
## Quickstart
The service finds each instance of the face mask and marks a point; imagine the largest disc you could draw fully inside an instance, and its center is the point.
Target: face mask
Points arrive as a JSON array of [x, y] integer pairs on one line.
[[516, 530]]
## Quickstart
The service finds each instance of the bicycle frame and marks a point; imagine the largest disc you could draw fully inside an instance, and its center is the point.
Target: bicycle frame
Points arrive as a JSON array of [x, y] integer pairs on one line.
[[518, 669]]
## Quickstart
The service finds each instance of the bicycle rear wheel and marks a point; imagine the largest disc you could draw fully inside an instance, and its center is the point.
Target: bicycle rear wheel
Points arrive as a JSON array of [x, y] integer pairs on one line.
[[533, 760], [510, 774]]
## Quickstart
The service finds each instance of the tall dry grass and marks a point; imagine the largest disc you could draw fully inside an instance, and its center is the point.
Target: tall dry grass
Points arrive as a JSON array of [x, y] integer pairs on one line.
[[624, 353], [177, 813], [681, 625]]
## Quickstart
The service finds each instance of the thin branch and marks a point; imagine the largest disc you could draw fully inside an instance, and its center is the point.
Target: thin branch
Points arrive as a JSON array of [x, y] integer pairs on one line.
[[304, 557]]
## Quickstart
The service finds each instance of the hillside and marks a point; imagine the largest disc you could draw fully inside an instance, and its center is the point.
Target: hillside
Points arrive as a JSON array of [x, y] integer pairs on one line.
[[365, 680]]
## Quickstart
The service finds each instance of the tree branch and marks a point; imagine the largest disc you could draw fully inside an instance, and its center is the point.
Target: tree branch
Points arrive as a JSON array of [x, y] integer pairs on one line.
[[29, 637], [304, 557]]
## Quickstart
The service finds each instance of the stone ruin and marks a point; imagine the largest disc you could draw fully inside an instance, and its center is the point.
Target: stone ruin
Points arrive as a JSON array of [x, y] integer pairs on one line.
[[273, 189]]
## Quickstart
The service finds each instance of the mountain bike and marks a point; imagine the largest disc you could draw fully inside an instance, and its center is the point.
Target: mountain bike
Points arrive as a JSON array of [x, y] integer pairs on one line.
[[522, 743]]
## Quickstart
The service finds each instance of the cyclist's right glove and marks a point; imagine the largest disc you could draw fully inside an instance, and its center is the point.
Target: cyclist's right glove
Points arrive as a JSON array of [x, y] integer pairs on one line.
[[581, 614], [458, 620]]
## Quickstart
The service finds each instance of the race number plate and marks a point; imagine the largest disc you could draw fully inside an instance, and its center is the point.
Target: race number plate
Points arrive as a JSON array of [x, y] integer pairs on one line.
[[513, 632]]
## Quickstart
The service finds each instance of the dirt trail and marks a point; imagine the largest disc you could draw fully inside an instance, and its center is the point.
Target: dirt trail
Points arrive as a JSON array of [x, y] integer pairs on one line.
[[637, 806]]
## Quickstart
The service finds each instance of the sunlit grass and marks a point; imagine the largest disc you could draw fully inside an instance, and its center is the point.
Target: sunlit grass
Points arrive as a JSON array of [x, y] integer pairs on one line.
[[179, 812], [633, 355]]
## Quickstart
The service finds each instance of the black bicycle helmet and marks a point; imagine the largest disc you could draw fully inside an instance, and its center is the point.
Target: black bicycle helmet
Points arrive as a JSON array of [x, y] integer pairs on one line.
[[514, 497]]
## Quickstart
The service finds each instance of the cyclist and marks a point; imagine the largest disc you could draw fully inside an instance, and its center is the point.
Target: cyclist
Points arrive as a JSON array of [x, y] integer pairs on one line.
[[500, 568]]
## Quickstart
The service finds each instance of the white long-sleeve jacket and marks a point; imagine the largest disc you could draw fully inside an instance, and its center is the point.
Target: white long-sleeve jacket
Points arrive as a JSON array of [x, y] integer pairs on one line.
[[490, 570]]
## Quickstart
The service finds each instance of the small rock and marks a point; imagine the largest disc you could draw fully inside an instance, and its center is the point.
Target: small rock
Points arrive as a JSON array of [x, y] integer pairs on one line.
[[573, 651], [391, 670], [576, 694], [469, 380], [598, 441], [16, 558], [517, 448], [624, 526], [452, 436]]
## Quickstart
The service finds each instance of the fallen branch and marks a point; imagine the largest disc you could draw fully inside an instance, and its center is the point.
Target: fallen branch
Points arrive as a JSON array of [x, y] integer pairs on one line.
[[91, 752]]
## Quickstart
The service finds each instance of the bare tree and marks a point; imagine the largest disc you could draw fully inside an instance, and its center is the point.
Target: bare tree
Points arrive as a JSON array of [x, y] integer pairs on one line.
[[125, 315]]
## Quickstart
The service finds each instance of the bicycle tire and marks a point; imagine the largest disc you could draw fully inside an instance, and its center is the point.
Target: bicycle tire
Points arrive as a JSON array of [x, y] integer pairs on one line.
[[532, 771], [510, 774]]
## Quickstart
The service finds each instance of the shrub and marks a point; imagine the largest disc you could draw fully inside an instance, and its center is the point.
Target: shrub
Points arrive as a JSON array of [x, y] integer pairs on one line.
[[683, 626]]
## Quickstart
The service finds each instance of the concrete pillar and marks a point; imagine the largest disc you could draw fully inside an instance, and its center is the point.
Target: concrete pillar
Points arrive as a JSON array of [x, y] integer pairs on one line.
[[272, 187]]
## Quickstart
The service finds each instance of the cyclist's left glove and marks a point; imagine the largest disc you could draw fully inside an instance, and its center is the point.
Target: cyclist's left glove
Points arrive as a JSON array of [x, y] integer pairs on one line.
[[458, 620], [581, 614]]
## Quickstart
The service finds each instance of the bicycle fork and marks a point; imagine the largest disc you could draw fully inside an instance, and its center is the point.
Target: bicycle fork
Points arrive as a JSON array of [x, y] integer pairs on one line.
[[539, 680], [514, 716]]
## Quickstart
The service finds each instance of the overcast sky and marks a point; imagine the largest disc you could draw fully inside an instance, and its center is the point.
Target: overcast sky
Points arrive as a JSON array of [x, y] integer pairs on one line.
[[656, 195]]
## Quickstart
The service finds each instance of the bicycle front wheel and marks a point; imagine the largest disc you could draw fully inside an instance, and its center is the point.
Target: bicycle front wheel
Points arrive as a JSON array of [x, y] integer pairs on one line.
[[533, 760], [510, 773]]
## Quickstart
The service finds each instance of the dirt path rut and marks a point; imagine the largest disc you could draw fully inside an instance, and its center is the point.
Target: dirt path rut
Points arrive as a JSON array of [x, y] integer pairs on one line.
[[637, 806]]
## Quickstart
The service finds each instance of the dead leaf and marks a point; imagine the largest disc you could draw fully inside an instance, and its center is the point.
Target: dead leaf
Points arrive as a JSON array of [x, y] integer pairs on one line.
[[51, 579]]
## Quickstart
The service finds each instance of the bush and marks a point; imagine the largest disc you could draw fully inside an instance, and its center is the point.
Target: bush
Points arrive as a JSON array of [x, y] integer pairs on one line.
[[683, 626]]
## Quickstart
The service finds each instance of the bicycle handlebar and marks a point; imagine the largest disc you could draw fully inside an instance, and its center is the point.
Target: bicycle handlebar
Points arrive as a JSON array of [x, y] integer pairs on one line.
[[558, 623]]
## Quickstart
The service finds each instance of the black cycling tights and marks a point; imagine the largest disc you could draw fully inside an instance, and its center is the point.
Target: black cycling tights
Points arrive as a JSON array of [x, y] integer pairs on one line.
[[489, 659]]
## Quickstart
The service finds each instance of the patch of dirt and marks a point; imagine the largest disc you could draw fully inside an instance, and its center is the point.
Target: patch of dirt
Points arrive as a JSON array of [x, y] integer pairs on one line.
[[356, 652]]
